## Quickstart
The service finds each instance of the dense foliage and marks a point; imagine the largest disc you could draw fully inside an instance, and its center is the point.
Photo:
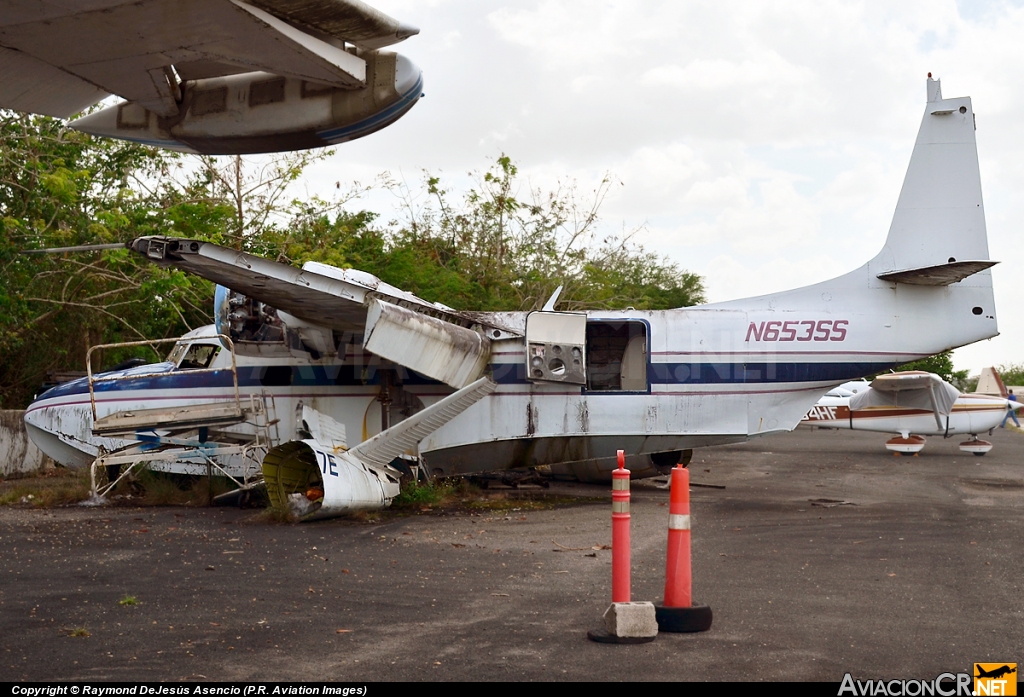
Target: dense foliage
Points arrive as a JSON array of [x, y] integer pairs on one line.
[[500, 246]]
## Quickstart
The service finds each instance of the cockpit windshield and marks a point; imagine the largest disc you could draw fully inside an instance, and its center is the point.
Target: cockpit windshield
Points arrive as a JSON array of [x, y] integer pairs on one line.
[[177, 352], [193, 356]]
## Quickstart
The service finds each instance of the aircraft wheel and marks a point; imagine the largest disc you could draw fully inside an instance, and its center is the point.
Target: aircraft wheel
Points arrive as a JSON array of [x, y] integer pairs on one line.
[[979, 454]]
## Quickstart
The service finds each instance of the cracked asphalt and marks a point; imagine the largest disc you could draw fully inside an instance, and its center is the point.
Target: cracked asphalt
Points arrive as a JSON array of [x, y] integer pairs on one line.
[[823, 554]]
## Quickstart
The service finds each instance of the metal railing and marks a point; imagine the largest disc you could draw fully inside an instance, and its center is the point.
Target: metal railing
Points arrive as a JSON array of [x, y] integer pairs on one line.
[[225, 340]]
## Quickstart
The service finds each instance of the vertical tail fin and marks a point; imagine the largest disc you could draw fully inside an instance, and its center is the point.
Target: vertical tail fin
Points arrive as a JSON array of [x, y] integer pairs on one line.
[[939, 219]]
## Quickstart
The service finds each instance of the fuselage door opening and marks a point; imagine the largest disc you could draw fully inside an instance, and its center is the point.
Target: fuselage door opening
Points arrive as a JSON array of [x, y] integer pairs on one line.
[[556, 347], [616, 356]]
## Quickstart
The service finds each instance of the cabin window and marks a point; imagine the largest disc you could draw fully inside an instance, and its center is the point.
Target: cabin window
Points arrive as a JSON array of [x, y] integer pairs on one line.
[[198, 356], [210, 101], [616, 356], [266, 92]]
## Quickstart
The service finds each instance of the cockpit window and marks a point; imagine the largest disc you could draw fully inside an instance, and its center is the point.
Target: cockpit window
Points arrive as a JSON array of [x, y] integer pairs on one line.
[[197, 356], [176, 353]]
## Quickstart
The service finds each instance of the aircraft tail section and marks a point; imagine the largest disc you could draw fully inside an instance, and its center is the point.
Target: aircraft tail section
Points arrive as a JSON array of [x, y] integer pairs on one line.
[[938, 234], [928, 290]]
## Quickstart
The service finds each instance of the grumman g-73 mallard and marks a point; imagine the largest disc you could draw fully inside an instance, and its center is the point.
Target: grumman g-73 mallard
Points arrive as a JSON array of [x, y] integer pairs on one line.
[[473, 392]]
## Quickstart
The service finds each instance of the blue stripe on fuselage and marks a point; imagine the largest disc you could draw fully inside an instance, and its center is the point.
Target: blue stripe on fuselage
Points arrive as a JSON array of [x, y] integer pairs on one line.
[[375, 121], [502, 373]]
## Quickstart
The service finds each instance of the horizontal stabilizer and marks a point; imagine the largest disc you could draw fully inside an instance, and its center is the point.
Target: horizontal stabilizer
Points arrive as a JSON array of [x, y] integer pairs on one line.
[[324, 429], [380, 450], [939, 275]]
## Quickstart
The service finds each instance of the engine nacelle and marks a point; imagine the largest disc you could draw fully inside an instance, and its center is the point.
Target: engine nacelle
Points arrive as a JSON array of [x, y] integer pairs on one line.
[[260, 112], [313, 481]]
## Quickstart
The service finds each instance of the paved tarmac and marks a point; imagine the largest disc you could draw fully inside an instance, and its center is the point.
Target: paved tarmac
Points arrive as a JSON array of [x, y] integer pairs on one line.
[[917, 572]]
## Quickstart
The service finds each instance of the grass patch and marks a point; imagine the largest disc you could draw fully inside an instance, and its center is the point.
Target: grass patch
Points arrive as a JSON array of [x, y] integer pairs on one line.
[[456, 493], [433, 492], [79, 631], [128, 600], [59, 486]]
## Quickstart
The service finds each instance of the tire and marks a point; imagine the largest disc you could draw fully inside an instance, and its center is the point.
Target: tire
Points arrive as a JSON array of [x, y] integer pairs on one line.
[[683, 619]]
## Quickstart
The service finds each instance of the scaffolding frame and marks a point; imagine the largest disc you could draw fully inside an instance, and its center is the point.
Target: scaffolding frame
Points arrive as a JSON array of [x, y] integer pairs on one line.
[[194, 433]]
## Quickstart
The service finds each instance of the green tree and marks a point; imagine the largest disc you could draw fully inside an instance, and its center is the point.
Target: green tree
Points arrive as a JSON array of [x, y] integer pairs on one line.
[[942, 365], [1011, 373], [498, 246], [59, 187]]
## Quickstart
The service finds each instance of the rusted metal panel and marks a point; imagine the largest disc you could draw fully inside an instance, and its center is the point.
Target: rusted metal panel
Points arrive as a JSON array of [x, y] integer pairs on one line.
[[454, 355]]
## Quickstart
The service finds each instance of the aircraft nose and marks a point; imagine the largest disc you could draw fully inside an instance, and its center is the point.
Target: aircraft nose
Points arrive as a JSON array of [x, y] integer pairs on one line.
[[407, 78]]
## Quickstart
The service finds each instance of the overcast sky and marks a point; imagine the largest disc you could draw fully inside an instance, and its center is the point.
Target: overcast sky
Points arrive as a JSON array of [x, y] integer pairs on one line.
[[763, 145]]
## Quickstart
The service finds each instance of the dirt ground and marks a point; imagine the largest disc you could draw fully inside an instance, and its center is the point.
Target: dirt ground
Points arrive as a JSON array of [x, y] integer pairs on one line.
[[823, 554]]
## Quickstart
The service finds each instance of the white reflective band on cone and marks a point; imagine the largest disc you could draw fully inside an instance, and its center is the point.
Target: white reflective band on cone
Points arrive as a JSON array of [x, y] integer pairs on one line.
[[620, 506], [620, 484], [678, 522]]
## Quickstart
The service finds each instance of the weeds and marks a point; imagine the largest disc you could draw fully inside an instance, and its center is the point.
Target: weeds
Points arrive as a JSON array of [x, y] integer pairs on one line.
[[79, 631], [434, 492], [56, 487], [128, 600]]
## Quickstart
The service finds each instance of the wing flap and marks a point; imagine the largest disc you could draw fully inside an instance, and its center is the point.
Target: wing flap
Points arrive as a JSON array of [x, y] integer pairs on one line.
[[348, 20], [441, 350]]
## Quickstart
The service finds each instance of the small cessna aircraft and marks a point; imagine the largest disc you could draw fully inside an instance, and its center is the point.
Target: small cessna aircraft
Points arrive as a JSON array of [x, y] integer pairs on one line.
[[480, 392], [913, 404], [209, 76]]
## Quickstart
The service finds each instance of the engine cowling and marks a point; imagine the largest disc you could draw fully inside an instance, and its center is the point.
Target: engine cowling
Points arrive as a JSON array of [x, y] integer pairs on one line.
[[260, 112]]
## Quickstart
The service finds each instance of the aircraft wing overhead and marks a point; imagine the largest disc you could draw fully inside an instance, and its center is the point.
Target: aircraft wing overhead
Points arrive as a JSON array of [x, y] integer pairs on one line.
[[58, 57], [318, 293], [911, 389]]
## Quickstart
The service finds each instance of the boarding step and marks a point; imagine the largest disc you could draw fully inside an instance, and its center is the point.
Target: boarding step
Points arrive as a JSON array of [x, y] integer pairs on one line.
[[176, 418]]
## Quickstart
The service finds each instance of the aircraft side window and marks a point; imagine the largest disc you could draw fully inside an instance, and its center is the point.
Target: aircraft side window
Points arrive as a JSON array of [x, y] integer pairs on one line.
[[616, 356], [199, 356]]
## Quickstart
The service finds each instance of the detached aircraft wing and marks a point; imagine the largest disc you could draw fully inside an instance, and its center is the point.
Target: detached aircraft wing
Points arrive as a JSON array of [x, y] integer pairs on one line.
[[57, 57], [430, 338], [912, 390]]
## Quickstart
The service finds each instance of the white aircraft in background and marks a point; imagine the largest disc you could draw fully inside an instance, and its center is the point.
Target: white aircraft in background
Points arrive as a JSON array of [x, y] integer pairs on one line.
[[209, 76], [912, 404], [548, 388]]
